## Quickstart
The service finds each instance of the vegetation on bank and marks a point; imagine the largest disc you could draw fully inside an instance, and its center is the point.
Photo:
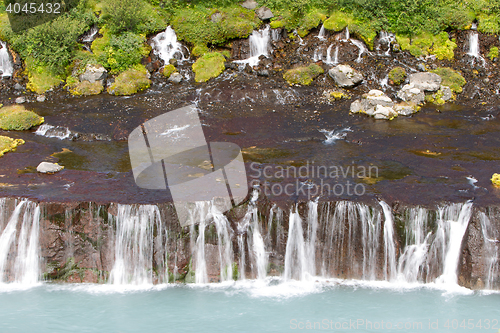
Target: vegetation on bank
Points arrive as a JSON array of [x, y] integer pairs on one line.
[[303, 75], [17, 118], [52, 54], [8, 144], [208, 66], [451, 78]]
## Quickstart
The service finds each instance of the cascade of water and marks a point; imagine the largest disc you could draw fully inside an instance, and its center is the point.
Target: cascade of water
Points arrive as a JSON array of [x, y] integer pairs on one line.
[[90, 35], [259, 45], [201, 264], [322, 33], [453, 222], [412, 261], [491, 250], [5, 63], [318, 54], [370, 224], [335, 59], [386, 38], [166, 46], [224, 243], [50, 131], [24, 258], [347, 35], [134, 244], [389, 248], [275, 35], [336, 56], [474, 50], [361, 47]]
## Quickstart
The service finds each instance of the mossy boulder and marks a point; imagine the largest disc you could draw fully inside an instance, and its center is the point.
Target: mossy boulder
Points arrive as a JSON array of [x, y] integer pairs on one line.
[[131, 81], [86, 88], [397, 75], [310, 21], [210, 65], [303, 75], [168, 70], [451, 78], [277, 24], [425, 44], [337, 21], [8, 144], [495, 179], [17, 118]]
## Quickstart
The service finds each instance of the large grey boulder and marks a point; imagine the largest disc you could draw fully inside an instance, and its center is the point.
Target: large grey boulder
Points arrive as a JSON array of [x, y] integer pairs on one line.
[[249, 4], [264, 13], [370, 104], [405, 108], [47, 167], [409, 93], [93, 73], [426, 81], [345, 76]]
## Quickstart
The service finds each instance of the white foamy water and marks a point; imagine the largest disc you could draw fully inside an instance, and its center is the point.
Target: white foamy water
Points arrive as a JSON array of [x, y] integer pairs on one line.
[[166, 46], [259, 43], [335, 135], [474, 49], [90, 35], [6, 67], [491, 247], [322, 33], [50, 131]]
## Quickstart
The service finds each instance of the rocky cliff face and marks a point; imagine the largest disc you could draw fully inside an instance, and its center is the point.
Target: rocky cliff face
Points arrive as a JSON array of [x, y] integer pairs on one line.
[[85, 242]]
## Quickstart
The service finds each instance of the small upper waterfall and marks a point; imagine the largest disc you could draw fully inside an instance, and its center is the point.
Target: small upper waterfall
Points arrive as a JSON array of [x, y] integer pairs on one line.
[[134, 244], [19, 244], [474, 49], [6, 67], [386, 39], [166, 46], [322, 33], [335, 60], [259, 43], [362, 49], [90, 35]]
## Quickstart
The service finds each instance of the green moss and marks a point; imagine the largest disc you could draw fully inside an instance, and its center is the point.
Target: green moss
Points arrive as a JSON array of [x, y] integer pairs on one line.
[[40, 78], [439, 45], [493, 52], [131, 81], [303, 75], [86, 88], [488, 24], [8, 144], [208, 66], [17, 118], [451, 78], [337, 95], [429, 98], [310, 21], [338, 21], [277, 24], [364, 31], [199, 50], [397, 75], [168, 70], [495, 179]]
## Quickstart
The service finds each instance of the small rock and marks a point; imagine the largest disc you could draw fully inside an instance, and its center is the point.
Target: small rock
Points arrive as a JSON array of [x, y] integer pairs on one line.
[[369, 102], [248, 69], [405, 109], [175, 77], [40, 98], [426, 81], [411, 94], [17, 86], [173, 61], [345, 76], [264, 13], [249, 4], [263, 72], [421, 67], [21, 100], [447, 93], [47, 167], [93, 73], [384, 112]]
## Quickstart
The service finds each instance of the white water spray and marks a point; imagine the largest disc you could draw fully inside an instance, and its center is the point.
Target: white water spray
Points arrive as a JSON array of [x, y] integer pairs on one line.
[[166, 46]]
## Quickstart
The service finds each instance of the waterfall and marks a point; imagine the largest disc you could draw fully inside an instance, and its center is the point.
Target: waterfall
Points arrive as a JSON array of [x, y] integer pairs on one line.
[[322, 33], [166, 46], [389, 248], [90, 35], [224, 244], [200, 263], [318, 54], [300, 255], [256, 248], [386, 38], [5, 63], [259, 45], [361, 47], [453, 222], [275, 35], [491, 250], [21, 256], [134, 244], [347, 35], [412, 261], [335, 59], [474, 50]]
